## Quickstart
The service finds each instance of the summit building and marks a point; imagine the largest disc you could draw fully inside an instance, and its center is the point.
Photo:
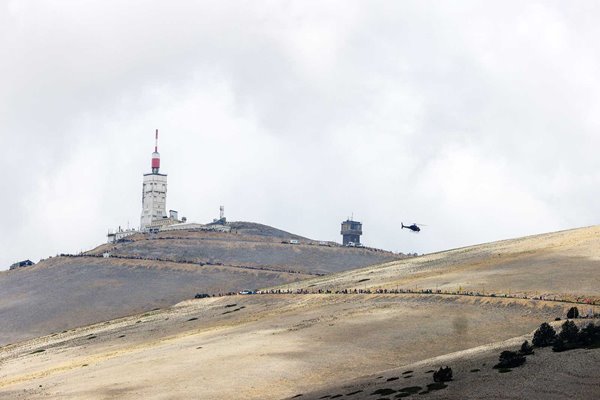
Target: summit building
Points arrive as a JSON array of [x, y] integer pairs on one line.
[[154, 193]]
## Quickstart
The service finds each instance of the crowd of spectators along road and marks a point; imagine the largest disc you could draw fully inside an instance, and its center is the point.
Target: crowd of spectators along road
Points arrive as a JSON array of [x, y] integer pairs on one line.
[[579, 300]]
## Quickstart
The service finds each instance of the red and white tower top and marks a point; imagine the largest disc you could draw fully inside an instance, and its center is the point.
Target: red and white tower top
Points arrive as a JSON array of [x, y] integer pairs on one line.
[[156, 156]]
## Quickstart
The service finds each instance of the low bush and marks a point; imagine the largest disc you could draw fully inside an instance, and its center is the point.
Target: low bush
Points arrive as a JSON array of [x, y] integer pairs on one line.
[[573, 312], [571, 337], [544, 336], [559, 345], [526, 348], [443, 375], [569, 332], [510, 359], [589, 335]]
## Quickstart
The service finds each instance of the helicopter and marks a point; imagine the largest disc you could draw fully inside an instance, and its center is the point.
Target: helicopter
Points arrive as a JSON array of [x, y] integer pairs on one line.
[[413, 227]]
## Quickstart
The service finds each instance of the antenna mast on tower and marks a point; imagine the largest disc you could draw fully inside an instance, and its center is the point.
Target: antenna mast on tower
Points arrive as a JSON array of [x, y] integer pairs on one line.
[[155, 156]]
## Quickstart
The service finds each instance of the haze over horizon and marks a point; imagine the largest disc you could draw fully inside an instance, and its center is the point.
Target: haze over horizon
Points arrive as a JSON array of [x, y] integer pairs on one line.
[[477, 119]]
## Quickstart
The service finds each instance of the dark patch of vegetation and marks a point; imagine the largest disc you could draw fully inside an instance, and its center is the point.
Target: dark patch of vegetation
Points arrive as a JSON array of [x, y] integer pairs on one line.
[[402, 394], [336, 396], [38, 351], [567, 338], [122, 336], [475, 370], [595, 345], [383, 392], [85, 365], [573, 313], [557, 319], [137, 322], [230, 305], [560, 345], [298, 395], [364, 280], [411, 389], [569, 332], [92, 337], [510, 359], [430, 371], [589, 336], [325, 397], [407, 372], [504, 370], [379, 377], [526, 349], [443, 375], [230, 311], [353, 393], [192, 319], [393, 378], [408, 376], [544, 336], [571, 337]]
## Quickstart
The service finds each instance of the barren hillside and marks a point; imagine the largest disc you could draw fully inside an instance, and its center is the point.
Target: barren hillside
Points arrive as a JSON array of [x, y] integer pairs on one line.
[[149, 271], [260, 346], [560, 265], [284, 345]]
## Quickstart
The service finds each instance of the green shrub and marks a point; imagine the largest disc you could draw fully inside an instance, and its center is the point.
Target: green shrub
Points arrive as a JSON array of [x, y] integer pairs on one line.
[[544, 335], [569, 332], [510, 359], [559, 345], [526, 348], [573, 312], [443, 375], [589, 334]]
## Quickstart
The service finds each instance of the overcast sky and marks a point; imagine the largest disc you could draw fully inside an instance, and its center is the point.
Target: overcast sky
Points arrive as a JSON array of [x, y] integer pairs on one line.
[[479, 119]]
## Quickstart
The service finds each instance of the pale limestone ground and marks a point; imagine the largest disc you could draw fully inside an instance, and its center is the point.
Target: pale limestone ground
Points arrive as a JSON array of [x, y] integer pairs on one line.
[[275, 347]]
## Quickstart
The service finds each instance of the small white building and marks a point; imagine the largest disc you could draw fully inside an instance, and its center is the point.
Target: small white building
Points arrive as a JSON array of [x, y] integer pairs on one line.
[[119, 234]]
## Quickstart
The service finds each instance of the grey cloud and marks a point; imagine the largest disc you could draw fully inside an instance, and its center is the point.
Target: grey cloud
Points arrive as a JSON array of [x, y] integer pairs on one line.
[[476, 118]]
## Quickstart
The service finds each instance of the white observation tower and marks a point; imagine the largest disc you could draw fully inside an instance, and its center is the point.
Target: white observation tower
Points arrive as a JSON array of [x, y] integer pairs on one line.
[[154, 192]]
